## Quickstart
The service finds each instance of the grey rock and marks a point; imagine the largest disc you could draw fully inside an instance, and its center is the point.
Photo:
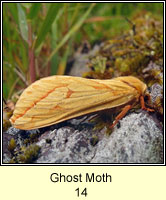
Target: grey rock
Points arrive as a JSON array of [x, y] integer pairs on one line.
[[79, 67], [6, 153], [138, 140], [12, 131], [156, 92], [67, 146]]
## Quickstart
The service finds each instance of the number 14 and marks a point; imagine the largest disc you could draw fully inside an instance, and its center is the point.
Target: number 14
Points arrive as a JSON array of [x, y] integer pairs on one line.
[[83, 193]]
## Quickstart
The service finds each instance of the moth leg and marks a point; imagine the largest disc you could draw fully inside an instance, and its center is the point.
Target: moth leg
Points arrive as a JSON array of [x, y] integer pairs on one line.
[[143, 105], [121, 115]]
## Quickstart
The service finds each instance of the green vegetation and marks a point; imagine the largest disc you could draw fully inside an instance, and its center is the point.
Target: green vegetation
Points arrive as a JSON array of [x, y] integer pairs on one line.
[[24, 154], [29, 154], [131, 52], [12, 145], [38, 38]]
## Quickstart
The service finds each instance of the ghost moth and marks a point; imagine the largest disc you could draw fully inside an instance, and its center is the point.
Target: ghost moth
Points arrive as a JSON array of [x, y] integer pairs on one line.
[[56, 98]]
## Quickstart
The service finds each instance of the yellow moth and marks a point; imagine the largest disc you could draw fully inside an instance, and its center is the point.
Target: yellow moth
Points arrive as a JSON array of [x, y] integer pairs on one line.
[[55, 99]]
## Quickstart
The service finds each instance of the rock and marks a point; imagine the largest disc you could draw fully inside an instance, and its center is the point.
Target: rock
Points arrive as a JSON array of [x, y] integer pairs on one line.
[[138, 140], [66, 145], [81, 59], [6, 152]]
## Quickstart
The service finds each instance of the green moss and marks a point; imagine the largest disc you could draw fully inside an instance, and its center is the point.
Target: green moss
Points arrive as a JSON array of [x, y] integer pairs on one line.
[[6, 124], [130, 52], [12, 145], [12, 161], [29, 154], [7, 113], [99, 64]]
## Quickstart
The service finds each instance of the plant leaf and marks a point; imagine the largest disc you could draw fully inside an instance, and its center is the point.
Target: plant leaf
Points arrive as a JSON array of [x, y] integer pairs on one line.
[[34, 10], [22, 22], [51, 14]]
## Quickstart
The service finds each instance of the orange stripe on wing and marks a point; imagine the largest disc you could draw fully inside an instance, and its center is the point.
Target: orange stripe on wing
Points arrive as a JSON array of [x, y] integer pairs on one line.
[[35, 102], [69, 93]]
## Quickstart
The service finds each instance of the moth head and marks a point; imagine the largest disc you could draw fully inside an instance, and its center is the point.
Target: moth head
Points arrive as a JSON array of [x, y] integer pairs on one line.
[[135, 83]]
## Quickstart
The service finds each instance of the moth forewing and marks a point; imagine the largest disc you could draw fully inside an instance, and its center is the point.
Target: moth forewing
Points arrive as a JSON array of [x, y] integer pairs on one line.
[[58, 98]]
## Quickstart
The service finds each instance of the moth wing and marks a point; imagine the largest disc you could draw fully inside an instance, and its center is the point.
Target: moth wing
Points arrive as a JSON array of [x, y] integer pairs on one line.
[[57, 98]]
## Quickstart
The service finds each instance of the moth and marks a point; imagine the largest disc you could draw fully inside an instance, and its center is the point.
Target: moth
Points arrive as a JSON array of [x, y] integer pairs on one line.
[[56, 98]]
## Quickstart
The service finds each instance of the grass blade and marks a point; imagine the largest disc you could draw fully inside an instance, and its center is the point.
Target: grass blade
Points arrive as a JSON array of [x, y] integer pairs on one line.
[[71, 32], [51, 14], [35, 8], [22, 22]]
